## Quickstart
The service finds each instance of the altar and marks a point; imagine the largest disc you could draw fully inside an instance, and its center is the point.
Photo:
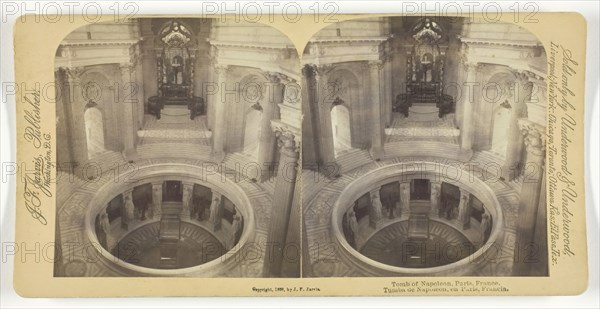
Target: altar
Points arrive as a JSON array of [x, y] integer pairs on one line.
[[175, 59], [425, 71]]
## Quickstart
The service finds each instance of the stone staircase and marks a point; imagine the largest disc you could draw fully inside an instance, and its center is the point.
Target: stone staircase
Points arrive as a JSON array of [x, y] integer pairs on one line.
[[243, 164], [352, 159], [175, 150], [169, 234], [423, 111], [174, 126], [424, 149], [486, 157], [423, 124], [418, 220]]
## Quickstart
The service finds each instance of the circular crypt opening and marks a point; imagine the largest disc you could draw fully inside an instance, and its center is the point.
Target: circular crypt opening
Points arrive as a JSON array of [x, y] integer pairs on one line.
[[171, 223], [415, 222]]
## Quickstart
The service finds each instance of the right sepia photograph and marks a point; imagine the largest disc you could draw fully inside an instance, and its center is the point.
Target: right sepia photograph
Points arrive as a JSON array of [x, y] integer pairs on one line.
[[424, 149]]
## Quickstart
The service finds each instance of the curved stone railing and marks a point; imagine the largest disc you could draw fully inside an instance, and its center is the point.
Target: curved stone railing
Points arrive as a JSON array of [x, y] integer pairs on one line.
[[399, 172], [160, 172]]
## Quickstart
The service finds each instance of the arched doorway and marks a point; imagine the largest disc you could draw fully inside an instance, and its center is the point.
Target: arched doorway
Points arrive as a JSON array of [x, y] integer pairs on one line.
[[340, 125], [252, 131], [344, 114], [498, 92], [501, 118], [94, 131]]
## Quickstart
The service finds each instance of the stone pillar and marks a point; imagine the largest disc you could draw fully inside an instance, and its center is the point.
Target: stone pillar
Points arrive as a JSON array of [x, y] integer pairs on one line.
[[376, 209], [216, 211], [541, 235], [470, 95], [157, 192], [436, 189], [139, 88], [310, 147], [129, 125], [514, 147], [405, 199], [525, 246], [266, 146], [210, 92], [377, 132], [387, 85], [186, 201], [75, 107], [218, 132], [282, 199], [464, 209], [64, 150]]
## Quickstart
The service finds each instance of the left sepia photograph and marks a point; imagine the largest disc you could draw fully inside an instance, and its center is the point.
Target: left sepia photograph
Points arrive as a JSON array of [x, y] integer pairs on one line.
[[178, 145]]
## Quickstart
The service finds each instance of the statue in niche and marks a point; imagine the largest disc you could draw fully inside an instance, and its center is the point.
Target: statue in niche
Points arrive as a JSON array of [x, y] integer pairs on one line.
[[405, 198], [375, 213], [105, 227], [236, 227], [129, 208], [177, 67], [185, 201], [463, 210], [215, 212], [485, 226], [426, 68], [156, 197], [435, 198], [199, 207], [142, 208], [353, 227]]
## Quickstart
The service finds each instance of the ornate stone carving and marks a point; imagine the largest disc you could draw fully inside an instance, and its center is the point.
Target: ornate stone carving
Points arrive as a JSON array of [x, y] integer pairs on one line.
[[308, 70], [221, 68], [521, 76], [72, 74], [126, 68], [273, 77], [323, 69], [427, 31], [375, 65], [534, 137], [469, 65], [288, 140]]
